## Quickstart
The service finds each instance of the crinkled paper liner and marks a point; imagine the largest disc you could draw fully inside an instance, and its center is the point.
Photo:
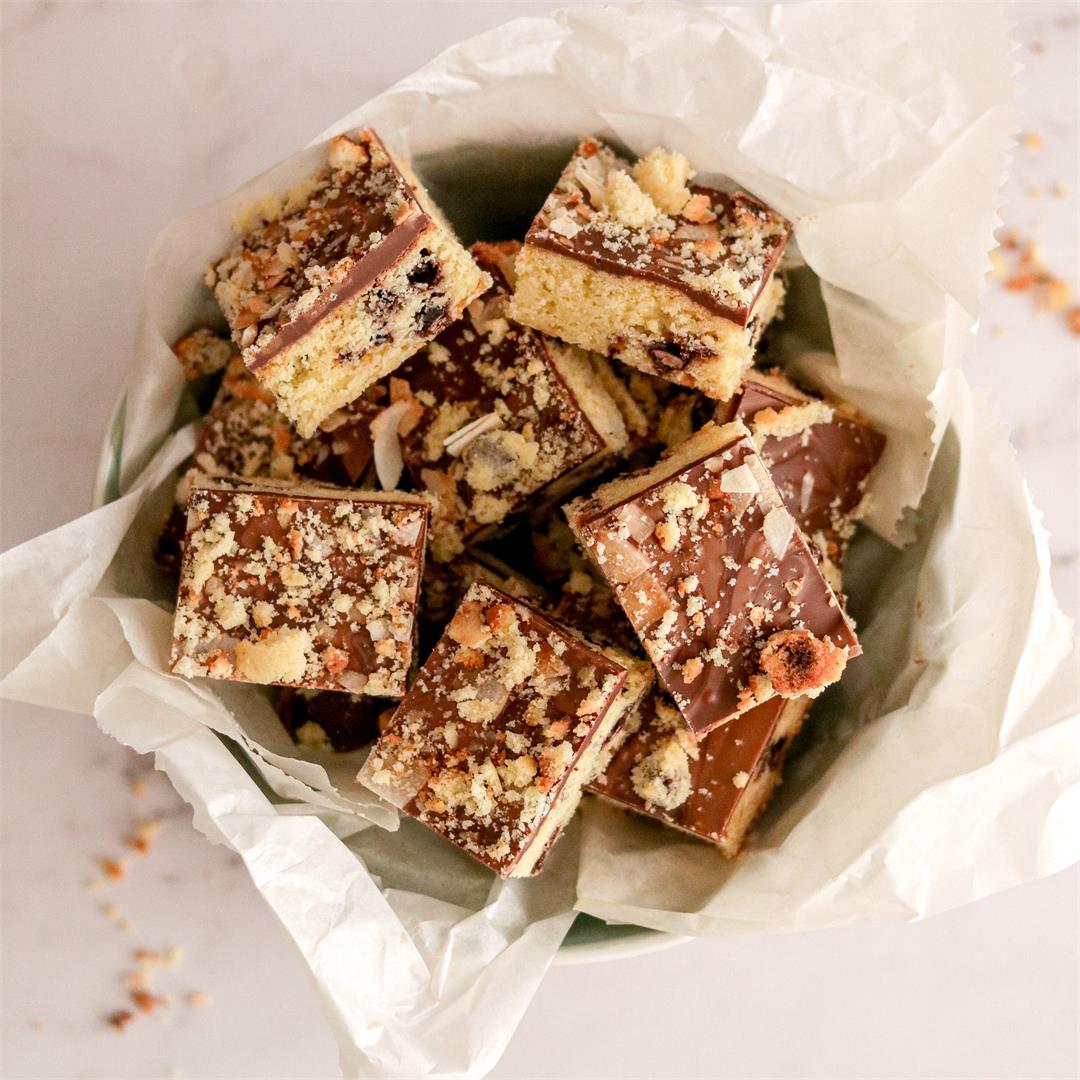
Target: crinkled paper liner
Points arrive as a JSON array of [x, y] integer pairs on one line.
[[944, 768]]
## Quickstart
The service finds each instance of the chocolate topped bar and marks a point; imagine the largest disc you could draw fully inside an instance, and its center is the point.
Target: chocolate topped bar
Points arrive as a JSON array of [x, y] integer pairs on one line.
[[299, 585], [818, 453], [636, 262], [337, 281], [713, 787], [716, 579], [491, 746], [504, 415], [244, 434], [323, 720]]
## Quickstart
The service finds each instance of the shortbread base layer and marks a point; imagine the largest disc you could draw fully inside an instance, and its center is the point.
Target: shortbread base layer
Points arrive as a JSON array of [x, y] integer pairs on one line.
[[587, 767], [374, 332], [639, 322]]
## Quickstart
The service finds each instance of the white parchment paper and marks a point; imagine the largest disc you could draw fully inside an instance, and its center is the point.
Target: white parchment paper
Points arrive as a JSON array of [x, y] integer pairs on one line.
[[947, 764]]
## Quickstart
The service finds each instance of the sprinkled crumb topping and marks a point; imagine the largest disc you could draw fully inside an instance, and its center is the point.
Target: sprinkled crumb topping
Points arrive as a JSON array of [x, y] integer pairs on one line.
[[202, 352], [497, 421], [501, 711], [716, 579], [296, 247], [299, 585], [819, 455], [647, 218], [245, 435]]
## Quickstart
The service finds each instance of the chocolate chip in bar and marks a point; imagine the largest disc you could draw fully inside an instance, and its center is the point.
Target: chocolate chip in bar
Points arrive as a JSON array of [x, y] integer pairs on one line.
[[713, 787], [504, 416], [494, 741], [636, 262], [300, 585], [332, 284], [819, 454], [720, 585], [324, 720]]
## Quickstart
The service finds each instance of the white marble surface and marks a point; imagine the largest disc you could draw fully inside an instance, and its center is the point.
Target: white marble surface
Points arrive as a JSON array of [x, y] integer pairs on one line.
[[116, 117]]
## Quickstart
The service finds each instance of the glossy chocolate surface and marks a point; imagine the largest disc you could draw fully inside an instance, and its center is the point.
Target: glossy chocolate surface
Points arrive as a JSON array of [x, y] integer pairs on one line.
[[706, 602], [485, 740]]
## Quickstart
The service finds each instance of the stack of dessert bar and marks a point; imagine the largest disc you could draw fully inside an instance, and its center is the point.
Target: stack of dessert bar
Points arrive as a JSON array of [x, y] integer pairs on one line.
[[525, 517]]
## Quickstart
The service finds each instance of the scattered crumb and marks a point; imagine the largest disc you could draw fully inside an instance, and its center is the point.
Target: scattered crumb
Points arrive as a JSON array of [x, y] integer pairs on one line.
[[1031, 140], [998, 331], [138, 787], [1059, 190], [113, 869], [146, 1002], [36, 1025], [120, 1019], [152, 958], [197, 998], [1019, 266], [145, 831]]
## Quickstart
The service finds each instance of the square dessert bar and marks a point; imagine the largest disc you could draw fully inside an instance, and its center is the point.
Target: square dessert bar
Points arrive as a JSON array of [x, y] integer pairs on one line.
[[299, 585], [635, 262], [324, 720], [716, 579], [506, 415], [334, 283], [504, 725], [245, 435], [713, 787], [818, 453]]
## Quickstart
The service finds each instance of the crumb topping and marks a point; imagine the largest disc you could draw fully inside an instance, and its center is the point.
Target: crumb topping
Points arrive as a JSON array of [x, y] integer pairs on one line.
[[709, 568], [497, 421], [280, 585], [500, 712], [699, 785], [243, 434], [298, 247], [820, 457], [202, 352], [647, 219]]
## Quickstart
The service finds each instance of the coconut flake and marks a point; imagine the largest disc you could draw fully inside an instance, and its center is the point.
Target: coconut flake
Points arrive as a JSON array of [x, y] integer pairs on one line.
[[696, 232], [591, 180], [717, 463], [806, 491], [622, 562], [386, 445], [455, 444], [565, 226], [740, 480], [636, 521], [398, 789], [779, 526]]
